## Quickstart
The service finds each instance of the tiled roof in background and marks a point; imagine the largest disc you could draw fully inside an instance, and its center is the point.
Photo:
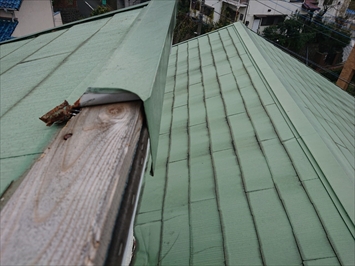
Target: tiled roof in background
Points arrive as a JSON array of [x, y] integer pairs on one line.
[[10, 4], [249, 169], [7, 27]]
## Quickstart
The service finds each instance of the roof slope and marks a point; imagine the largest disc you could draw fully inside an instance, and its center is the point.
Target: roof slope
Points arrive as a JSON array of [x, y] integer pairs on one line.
[[40, 71], [245, 175]]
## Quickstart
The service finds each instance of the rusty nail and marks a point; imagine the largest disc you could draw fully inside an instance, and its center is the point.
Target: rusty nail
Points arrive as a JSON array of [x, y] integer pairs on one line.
[[67, 136]]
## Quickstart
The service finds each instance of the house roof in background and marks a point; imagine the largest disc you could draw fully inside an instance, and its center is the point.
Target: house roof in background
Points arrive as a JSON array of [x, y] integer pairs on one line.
[[254, 161], [7, 27], [40, 71], [10, 4]]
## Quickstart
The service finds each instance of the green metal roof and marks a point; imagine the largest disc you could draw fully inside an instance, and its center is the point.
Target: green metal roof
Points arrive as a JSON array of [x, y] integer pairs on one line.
[[254, 162], [122, 50]]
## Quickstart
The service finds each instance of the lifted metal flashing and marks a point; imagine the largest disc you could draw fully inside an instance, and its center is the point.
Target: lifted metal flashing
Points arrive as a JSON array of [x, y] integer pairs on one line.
[[140, 69]]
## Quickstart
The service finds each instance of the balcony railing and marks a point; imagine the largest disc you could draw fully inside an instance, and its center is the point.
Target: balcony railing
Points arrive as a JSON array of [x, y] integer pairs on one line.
[[238, 3]]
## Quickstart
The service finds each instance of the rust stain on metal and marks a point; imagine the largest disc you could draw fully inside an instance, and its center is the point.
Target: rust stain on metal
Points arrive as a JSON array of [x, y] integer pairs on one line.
[[60, 113]]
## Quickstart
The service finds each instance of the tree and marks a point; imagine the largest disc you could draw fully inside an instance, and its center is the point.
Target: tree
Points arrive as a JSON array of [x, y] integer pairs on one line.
[[297, 32], [100, 10], [290, 34], [186, 26]]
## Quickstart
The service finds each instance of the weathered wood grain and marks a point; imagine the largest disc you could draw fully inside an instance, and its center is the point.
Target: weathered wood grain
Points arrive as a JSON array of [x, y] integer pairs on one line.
[[64, 210]]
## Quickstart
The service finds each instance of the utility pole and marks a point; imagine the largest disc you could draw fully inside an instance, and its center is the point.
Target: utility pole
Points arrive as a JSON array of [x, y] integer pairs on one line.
[[201, 17]]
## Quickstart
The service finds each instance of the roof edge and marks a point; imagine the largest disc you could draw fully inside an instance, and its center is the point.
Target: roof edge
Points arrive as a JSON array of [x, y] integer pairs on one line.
[[341, 192]]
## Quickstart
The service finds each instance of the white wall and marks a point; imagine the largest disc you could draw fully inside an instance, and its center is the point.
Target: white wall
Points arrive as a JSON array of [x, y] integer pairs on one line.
[[263, 8], [57, 19], [217, 5], [33, 16], [269, 8]]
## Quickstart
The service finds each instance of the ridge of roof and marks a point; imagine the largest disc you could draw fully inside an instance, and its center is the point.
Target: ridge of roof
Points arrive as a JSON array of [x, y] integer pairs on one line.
[[323, 157]]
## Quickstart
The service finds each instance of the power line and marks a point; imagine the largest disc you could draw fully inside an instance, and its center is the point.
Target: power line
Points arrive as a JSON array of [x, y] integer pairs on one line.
[[316, 14], [289, 51], [313, 63], [306, 24], [315, 22], [303, 16], [299, 22]]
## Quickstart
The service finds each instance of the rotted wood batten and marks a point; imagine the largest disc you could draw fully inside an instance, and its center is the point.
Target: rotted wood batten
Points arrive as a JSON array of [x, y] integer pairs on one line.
[[64, 211]]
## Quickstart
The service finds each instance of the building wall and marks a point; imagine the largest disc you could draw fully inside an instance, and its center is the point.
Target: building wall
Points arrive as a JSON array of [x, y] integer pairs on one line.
[[253, 11], [57, 19], [217, 8], [33, 16], [257, 10]]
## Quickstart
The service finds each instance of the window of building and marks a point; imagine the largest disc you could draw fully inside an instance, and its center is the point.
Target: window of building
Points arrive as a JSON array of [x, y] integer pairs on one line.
[[208, 11], [271, 20], [195, 4]]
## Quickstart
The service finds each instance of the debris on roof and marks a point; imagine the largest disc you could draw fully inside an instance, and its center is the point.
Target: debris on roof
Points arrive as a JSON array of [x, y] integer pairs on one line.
[[255, 160], [59, 114]]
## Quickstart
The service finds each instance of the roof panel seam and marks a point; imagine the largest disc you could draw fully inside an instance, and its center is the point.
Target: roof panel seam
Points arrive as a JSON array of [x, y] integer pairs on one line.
[[241, 169], [213, 163], [50, 74], [24, 59]]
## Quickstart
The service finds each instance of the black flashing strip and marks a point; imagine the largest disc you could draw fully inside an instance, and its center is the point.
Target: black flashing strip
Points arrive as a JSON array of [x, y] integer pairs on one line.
[[68, 25], [125, 216]]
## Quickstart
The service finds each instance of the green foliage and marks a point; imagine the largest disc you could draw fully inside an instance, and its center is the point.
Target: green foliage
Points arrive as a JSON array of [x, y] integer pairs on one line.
[[186, 27], [184, 6], [295, 33], [331, 38], [289, 34], [100, 10]]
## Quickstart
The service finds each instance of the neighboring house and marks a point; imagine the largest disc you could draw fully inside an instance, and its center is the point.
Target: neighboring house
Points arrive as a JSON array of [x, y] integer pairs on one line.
[[69, 9], [27, 17], [255, 160], [73, 189], [258, 14], [118, 4]]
